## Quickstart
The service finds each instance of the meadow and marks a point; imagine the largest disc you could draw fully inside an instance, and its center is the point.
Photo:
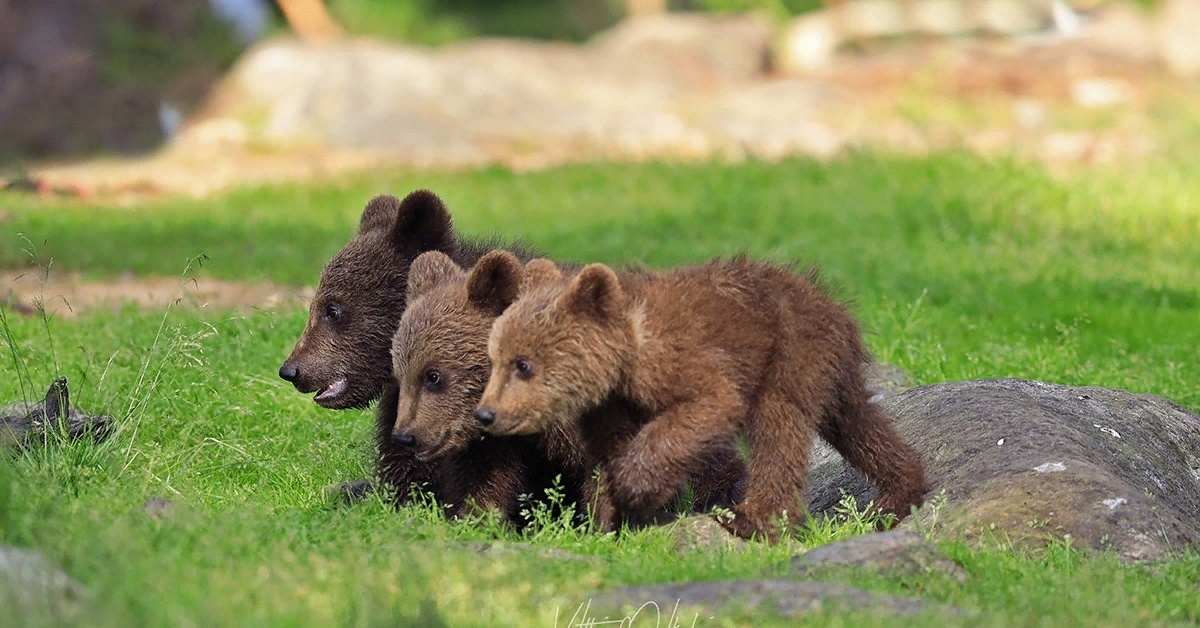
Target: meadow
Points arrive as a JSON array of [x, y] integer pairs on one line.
[[959, 267]]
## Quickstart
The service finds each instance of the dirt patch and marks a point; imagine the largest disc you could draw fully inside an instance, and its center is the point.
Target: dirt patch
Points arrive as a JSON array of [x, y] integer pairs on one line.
[[67, 295]]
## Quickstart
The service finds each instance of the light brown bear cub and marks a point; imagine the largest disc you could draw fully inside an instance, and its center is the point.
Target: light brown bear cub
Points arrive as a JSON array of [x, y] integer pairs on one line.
[[709, 352], [440, 364]]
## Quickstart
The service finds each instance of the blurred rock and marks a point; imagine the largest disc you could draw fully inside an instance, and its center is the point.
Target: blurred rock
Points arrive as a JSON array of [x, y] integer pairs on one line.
[[939, 17], [784, 598], [870, 19], [30, 586], [702, 533], [1179, 36], [1123, 31], [898, 553], [704, 48], [1007, 17], [1025, 462]]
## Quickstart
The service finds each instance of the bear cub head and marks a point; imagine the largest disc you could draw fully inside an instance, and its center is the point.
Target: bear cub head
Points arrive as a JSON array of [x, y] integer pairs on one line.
[[342, 355], [558, 351], [439, 351]]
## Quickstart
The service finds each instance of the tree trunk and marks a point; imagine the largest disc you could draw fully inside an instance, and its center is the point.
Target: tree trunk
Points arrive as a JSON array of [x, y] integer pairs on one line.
[[310, 19]]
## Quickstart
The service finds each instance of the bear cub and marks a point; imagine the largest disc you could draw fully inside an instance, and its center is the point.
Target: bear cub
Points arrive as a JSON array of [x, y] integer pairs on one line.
[[441, 367], [709, 352]]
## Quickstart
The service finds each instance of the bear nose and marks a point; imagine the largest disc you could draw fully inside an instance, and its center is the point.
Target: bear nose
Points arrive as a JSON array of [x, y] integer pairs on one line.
[[485, 416], [404, 438], [289, 372]]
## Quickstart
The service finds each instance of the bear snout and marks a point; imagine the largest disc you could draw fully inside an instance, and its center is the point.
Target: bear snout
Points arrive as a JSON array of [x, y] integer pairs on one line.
[[485, 416], [404, 438], [289, 371]]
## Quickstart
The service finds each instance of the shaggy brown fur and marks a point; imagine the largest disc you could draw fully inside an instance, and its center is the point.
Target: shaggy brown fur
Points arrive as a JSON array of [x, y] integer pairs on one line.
[[441, 368], [709, 352], [344, 353]]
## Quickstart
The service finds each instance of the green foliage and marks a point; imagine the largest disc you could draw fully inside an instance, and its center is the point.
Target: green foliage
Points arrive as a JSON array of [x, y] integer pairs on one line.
[[443, 21], [778, 8], [961, 267]]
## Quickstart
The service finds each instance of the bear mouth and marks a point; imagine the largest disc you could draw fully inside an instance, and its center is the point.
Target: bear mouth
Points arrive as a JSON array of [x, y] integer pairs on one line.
[[518, 428], [331, 392], [435, 451]]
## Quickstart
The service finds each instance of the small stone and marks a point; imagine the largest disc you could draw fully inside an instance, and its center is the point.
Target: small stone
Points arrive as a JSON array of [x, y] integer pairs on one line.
[[702, 533], [898, 553], [496, 549], [158, 507], [787, 598]]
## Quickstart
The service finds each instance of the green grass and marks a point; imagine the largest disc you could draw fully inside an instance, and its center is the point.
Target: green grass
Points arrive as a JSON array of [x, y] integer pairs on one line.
[[961, 267]]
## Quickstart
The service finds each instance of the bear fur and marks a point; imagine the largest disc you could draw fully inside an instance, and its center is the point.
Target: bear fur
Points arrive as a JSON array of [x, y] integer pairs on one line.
[[441, 368], [709, 352], [344, 353]]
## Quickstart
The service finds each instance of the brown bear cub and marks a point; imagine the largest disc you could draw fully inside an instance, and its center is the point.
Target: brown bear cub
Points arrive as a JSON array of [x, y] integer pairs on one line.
[[441, 367], [344, 353], [708, 352]]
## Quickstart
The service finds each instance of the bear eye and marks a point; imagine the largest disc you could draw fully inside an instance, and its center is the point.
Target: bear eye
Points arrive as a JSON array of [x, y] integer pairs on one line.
[[333, 312], [432, 379], [523, 368]]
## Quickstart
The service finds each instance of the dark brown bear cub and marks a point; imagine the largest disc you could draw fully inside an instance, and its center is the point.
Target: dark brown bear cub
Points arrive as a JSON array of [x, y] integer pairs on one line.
[[344, 354], [708, 352], [441, 367]]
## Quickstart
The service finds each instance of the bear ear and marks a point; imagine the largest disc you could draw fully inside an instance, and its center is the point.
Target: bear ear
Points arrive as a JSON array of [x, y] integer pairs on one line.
[[380, 213], [595, 292], [539, 272], [422, 223], [57, 401], [494, 282], [428, 270]]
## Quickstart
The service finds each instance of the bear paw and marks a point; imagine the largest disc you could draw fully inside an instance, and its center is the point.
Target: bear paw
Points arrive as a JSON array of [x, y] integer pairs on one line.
[[748, 525]]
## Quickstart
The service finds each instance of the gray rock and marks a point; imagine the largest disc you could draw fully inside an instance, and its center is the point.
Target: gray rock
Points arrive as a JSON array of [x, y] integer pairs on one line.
[[694, 47], [1027, 461], [782, 597], [31, 585], [158, 507], [493, 100], [702, 533], [500, 549], [897, 552], [25, 424]]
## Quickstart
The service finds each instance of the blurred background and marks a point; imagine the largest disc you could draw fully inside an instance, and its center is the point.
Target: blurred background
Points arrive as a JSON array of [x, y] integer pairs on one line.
[[194, 95]]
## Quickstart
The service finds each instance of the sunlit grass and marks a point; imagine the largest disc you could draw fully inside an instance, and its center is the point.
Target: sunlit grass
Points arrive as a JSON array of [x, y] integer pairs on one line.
[[960, 267]]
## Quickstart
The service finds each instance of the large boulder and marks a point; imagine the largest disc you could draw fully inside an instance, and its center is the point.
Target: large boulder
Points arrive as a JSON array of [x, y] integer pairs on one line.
[[1027, 461], [490, 100]]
